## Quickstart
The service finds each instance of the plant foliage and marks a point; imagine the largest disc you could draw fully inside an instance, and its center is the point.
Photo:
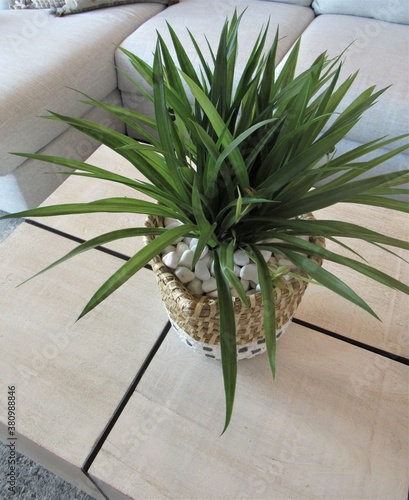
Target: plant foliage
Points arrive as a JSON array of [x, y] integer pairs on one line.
[[235, 158]]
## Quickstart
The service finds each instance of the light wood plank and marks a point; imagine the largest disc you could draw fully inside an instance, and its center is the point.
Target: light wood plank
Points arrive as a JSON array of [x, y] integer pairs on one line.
[[84, 189], [326, 309], [69, 376], [333, 424]]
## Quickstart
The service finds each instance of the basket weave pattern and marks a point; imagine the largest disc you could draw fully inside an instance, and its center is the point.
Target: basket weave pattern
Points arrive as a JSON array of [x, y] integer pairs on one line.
[[199, 316]]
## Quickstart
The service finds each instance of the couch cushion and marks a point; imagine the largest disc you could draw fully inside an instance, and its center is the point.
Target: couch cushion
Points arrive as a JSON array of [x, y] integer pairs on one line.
[[393, 11], [42, 55], [306, 3], [78, 6], [381, 53], [212, 14]]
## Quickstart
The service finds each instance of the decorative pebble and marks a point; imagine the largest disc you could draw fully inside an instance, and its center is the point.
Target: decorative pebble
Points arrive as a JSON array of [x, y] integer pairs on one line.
[[204, 251], [273, 261], [179, 257], [171, 260], [168, 249], [184, 274], [246, 284], [181, 247], [241, 258], [193, 242], [208, 259], [187, 258], [172, 226], [195, 287], [249, 272], [209, 285], [266, 254], [285, 262], [169, 220], [202, 271]]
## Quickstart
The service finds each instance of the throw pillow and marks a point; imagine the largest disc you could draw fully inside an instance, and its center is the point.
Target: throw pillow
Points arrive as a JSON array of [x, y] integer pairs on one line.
[[393, 11], [78, 6], [36, 4]]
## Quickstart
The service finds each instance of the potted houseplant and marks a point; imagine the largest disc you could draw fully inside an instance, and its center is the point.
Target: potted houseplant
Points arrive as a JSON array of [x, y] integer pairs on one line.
[[241, 169]]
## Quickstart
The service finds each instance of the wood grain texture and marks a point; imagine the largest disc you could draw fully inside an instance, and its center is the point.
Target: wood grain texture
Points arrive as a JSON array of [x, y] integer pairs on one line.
[[84, 189], [324, 308], [333, 424], [69, 375]]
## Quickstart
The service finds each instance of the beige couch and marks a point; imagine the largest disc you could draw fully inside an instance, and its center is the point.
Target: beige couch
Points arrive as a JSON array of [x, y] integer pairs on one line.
[[78, 51]]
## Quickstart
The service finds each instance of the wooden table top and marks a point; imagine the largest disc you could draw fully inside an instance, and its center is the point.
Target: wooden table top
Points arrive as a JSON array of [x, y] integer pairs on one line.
[[69, 376], [333, 424]]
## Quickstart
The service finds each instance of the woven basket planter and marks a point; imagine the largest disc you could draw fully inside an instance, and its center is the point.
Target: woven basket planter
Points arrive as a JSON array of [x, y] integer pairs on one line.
[[196, 318]]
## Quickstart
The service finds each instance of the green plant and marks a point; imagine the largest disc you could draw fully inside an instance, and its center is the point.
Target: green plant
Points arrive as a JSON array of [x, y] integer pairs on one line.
[[238, 167]]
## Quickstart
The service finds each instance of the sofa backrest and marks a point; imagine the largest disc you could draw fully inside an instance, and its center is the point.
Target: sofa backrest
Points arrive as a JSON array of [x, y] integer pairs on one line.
[[393, 11], [305, 3]]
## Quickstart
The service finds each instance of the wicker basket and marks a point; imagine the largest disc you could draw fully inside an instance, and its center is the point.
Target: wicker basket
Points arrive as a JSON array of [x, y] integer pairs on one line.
[[197, 320]]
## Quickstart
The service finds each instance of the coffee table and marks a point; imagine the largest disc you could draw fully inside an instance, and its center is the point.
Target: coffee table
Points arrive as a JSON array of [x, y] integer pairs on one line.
[[116, 404]]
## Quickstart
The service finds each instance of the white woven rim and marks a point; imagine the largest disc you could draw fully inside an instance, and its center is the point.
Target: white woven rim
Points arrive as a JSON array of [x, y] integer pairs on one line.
[[246, 351]]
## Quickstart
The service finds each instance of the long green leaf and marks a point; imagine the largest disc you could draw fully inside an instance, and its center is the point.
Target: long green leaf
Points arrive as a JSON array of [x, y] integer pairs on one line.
[[327, 279], [134, 264], [269, 309], [227, 337]]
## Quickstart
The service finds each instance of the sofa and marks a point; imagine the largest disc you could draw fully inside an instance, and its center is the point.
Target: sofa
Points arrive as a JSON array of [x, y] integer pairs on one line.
[[44, 57]]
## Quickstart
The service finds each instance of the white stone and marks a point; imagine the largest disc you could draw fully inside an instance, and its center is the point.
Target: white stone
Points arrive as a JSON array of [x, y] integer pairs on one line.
[[168, 249], [204, 251], [187, 240], [202, 271], [172, 226], [209, 285], [181, 247], [285, 262], [252, 291], [249, 272], [184, 274], [195, 287], [273, 261], [258, 288], [241, 258], [171, 260], [193, 242], [213, 294], [237, 270], [186, 258], [245, 284], [208, 259], [266, 254], [212, 269], [169, 220]]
